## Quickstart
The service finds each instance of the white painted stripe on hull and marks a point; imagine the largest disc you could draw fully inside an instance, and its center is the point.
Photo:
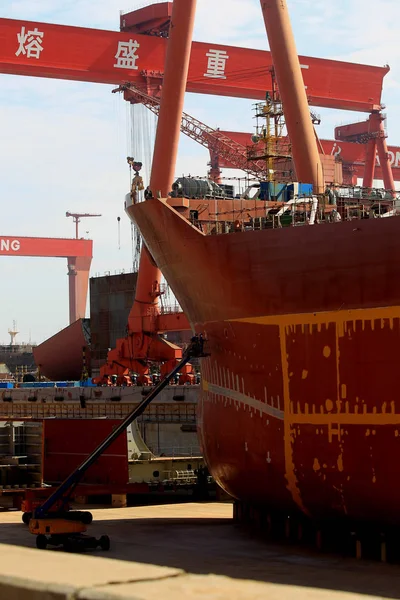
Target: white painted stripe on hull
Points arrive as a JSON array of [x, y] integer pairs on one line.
[[247, 400]]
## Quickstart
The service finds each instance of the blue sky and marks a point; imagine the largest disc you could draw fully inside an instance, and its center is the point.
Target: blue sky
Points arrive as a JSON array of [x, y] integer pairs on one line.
[[64, 144]]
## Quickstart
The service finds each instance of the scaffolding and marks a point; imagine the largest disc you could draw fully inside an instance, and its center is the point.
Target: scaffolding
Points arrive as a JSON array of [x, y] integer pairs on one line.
[[270, 141]]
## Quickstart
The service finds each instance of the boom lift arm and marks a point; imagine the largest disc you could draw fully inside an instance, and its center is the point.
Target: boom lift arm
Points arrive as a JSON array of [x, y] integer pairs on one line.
[[44, 521]]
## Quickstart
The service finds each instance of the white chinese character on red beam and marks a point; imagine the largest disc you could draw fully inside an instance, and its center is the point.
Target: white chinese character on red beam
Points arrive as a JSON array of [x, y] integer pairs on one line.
[[126, 55], [216, 64], [30, 43]]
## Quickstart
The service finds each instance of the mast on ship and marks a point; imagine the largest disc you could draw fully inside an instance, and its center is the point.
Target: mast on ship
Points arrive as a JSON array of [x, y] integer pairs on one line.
[[269, 143]]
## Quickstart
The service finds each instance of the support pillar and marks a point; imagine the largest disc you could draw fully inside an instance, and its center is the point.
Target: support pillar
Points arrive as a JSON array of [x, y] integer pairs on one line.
[[166, 145], [301, 132], [369, 167], [384, 159], [78, 276]]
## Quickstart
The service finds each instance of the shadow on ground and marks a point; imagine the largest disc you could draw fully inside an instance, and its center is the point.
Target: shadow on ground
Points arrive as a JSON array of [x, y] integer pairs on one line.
[[218, 546]]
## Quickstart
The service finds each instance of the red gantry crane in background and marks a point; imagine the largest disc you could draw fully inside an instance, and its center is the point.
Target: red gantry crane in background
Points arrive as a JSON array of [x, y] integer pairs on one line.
[[372, 133], [229, 149], [79, 257], [352, 156], [136, 54], [112, 57]]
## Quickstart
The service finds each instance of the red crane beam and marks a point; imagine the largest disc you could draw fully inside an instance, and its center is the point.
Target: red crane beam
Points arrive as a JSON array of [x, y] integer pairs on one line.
[[82, 54], [79, 257], [373, 133]]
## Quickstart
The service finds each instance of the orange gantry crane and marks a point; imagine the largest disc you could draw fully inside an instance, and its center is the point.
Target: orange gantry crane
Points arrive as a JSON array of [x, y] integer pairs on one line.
[[372, 133], [352, 155], [230, 149], [112, 57], [79, 257], [143, 344]]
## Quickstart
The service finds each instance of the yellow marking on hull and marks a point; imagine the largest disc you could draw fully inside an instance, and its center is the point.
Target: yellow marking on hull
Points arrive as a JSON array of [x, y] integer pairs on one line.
[[338, 316], [326, 352], [345, 323], [343, 419], [340, 462], [288, 435]]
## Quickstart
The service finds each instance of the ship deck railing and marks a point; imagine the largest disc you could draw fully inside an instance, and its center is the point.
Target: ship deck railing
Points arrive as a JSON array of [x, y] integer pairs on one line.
[[299, 214]]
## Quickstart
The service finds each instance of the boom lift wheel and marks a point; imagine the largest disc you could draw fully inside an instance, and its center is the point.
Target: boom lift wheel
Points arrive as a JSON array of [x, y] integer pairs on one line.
[[105, 543], [26, 517], [41, 542]]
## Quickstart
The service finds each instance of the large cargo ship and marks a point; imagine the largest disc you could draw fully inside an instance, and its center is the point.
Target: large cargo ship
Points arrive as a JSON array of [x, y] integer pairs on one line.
[[299, 404], [301, 312]]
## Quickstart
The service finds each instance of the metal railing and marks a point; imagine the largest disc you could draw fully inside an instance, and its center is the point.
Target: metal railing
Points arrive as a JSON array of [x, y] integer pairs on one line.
[[299, 213], [176, 451]]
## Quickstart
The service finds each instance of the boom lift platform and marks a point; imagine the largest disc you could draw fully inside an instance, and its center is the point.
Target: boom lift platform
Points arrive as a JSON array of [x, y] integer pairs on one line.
[[52, 522]]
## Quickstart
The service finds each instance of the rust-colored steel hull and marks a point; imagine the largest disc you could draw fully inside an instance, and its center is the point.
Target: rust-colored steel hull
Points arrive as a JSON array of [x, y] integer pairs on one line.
[[299, 407], [61, 357]]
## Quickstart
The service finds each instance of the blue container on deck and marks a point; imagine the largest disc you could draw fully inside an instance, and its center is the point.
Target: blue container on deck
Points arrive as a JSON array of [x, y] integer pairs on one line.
[[87, 383], [271, 190], [6, 385], [304, 190]]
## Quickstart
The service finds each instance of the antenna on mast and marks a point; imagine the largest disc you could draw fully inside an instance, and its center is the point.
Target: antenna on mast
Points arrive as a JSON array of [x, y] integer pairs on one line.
[[13, 333]]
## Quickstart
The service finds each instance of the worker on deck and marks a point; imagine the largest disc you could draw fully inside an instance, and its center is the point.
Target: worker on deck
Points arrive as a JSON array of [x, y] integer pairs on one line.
[[148, 193]]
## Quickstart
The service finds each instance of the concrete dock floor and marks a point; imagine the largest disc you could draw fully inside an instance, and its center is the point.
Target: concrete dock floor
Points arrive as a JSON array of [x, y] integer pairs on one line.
[[181, 551]]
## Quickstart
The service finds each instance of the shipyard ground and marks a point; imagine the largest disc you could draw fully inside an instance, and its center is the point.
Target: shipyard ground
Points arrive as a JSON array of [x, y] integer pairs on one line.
[[181, 551]]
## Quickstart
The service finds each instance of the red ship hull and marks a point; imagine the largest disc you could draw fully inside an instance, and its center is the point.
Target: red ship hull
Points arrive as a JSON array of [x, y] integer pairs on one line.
[[61, 357], [299, 407]]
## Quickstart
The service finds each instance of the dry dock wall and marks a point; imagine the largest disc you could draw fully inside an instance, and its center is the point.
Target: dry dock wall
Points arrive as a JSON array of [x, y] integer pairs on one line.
[[27, 574]]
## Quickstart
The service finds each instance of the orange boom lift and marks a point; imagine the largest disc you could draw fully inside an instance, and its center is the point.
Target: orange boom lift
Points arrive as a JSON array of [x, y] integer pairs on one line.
[[60, 527]]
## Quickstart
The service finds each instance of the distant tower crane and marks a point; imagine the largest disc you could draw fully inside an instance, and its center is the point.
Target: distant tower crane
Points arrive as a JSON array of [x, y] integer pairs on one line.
[[13, 333], [77, 217]]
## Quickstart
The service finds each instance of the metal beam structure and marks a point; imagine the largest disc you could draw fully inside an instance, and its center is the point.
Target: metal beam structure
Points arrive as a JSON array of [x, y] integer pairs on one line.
[[352, 155], [79, 257], [212, 139], [371, 132], [82, 54]]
